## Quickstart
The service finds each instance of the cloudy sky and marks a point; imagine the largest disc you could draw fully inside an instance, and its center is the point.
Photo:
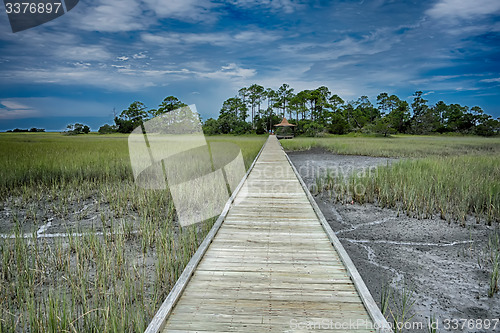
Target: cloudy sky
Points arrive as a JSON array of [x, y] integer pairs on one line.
[[104, 54]]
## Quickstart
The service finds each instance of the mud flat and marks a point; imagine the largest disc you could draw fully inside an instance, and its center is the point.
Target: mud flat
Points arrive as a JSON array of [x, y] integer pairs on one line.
[[444, 264]]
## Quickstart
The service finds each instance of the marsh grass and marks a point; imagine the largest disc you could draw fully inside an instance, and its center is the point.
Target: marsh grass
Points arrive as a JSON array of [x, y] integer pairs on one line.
[[397, 306], [50, 159], [494, 258], [453, 177], [432, 324], [54, 160], [110, 275], [453, 187], [385, 298], [411, 146]]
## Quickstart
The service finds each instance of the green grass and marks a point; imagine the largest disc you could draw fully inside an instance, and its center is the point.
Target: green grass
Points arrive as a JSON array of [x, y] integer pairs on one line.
[[452, 176], [399, 145], [52, 158], [494, 258], [453, 187], [108, 277]]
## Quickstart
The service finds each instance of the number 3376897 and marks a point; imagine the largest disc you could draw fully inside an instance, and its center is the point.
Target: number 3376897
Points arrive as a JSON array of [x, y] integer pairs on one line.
[[455, 324], [32, 7]]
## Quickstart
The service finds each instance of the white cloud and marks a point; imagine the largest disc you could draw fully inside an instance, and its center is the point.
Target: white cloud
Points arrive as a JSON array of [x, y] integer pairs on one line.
[[111, 16], [140, 55], [118, 77], [12, 105], [287, 6], [122, 58], [463, 9], [379, 41], [37, 44], [133, 15], [82, 53], [255, 36], [447, 81], [12, 109], [153, 73], [229, 72], [493, 80], [119, 66], [30, 107], [463, 30], [185, 10], [109, 78], [468, 88], [217, 38], [82, 64], [435, 78]]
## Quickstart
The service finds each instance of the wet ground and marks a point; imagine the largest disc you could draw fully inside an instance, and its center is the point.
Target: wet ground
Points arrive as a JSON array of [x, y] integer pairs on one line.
[[446, 265]]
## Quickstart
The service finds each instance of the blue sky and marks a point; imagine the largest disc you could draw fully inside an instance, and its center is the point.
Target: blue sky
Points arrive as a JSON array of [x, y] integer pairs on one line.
[[104, 54]]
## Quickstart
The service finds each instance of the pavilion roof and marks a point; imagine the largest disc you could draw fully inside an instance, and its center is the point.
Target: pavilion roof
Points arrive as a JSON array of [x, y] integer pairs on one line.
[[284, 123]]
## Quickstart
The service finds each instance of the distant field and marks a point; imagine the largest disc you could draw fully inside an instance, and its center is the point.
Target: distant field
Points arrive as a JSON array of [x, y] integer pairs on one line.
[[53, 158], [81, 247], [454, 177]]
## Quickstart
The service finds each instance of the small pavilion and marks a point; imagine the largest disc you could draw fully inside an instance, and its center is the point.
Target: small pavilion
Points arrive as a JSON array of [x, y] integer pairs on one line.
[[285, 130]]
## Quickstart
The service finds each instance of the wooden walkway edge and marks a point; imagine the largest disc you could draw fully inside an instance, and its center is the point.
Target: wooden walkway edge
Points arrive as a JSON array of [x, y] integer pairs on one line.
[[271, 263], [366, 297], [159, 320]]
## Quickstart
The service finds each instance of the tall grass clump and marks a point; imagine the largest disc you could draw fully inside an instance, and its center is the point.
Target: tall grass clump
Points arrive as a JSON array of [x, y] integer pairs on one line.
[[432, 324], [411, 146], [454, 177], [494, 249], [397, 306], [453, 187]]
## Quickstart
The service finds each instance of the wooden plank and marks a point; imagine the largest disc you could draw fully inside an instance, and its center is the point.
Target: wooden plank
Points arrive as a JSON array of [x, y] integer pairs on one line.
[[271, 261], [159, 320], [363, 291]]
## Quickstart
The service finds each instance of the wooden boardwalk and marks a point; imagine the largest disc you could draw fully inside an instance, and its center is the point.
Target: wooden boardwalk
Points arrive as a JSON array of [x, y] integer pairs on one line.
[[270, 265]]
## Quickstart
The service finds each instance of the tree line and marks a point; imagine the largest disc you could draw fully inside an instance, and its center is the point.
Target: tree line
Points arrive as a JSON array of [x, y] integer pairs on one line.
[[137, 113], [21, 130], [256, 109]]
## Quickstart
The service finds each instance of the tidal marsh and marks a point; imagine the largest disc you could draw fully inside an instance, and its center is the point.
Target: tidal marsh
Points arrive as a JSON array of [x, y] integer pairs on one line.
[[82, 248], [454, 177]]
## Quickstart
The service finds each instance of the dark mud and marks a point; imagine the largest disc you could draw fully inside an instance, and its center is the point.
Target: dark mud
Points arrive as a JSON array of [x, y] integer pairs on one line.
[[446, 265], [44, 219]]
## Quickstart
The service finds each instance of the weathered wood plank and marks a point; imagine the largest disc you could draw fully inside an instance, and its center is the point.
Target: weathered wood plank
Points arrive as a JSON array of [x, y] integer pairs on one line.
[[270, 264]]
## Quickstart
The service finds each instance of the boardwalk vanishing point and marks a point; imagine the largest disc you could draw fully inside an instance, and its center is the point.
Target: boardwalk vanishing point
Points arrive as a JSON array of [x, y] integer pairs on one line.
[[271, 263]]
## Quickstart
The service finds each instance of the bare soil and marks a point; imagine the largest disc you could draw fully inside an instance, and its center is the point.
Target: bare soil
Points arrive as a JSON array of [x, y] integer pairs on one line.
[[444, 264]]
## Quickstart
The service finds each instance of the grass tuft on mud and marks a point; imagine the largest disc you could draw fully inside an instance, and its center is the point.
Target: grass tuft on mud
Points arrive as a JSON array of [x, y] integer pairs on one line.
[[453, 187], [453, 177]]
